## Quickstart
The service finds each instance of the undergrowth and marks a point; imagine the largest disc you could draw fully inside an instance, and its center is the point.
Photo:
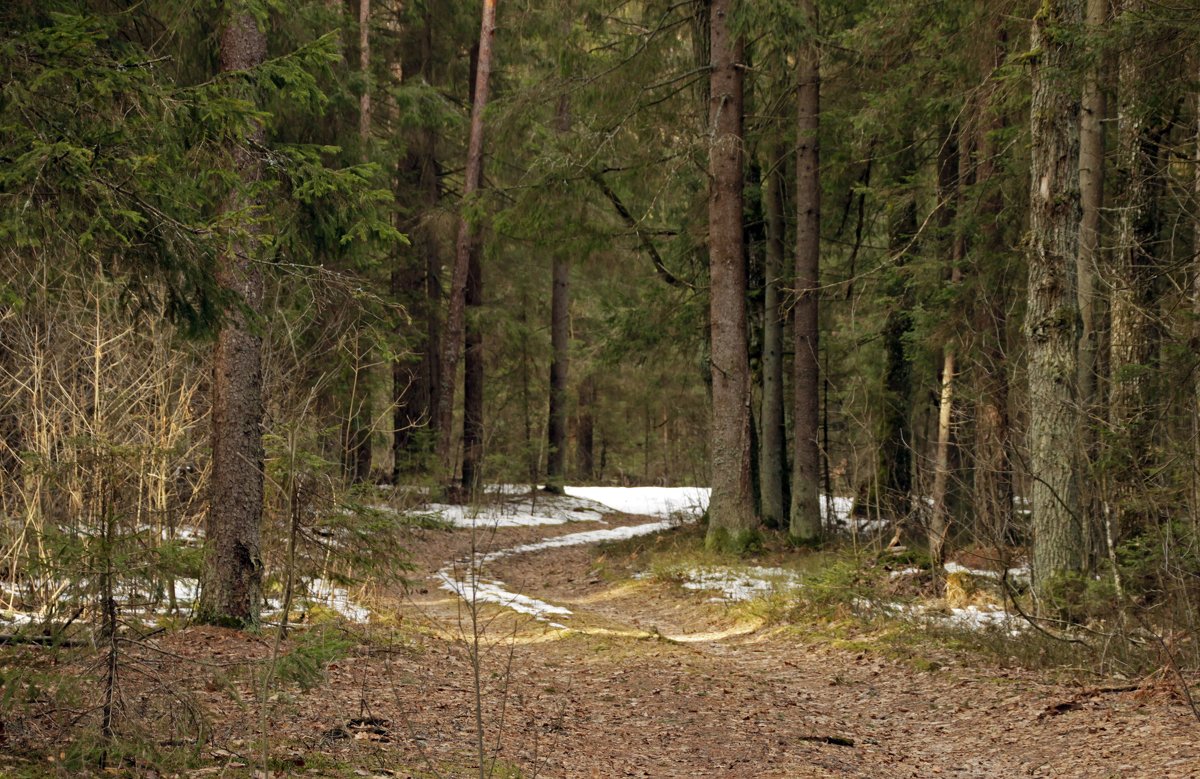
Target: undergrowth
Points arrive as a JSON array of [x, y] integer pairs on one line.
[[853, 599]]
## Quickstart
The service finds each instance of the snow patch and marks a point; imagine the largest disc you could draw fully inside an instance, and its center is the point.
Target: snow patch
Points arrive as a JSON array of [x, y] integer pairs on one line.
[[475, 588], [546, 511], [494, 591], [737, 585], [647, 501]]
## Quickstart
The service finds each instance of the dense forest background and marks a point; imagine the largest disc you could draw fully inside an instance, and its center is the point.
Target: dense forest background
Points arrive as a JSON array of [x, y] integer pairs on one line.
[[939, 259]]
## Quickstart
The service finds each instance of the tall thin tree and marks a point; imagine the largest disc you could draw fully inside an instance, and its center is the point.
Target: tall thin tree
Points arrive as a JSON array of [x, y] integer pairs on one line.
[[465, 246], [560, 322], [772, 448], [732, 520], [806, 470]]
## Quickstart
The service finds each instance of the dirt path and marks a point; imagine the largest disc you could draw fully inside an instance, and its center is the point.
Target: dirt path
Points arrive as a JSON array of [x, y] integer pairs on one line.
[[646, 680], [650, 680]]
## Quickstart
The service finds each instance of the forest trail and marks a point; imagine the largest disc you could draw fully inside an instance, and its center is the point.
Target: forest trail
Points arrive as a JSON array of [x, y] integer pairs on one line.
[[650, 680]]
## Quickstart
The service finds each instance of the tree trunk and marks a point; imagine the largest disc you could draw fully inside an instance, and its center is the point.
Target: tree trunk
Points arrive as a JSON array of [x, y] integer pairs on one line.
[[805, 522], [359, 421], [1091, 200], [992, 496], [465, 247], [1052, 311], [415, 285], [732, 523], [472, 457], [232, 591], [773, 470], [560, 323], [1133, 335], [953, 171]]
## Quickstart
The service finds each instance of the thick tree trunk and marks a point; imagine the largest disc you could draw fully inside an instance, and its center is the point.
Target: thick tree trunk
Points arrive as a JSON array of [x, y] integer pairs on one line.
[[1052, 311], [805, 524], [232, 588], [1133, 335], [732, 522], [465, 247], [773, 470]]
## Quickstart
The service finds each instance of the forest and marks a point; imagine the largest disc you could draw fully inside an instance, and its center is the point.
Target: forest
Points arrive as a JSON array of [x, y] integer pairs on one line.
[[671, 388]]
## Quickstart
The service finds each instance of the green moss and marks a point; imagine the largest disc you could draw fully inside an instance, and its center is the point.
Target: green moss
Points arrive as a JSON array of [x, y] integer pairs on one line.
[[736, 542]]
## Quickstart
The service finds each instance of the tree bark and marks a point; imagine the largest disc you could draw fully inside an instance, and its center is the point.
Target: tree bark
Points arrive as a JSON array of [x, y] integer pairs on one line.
[[1052, 311], [773, 470], [805, 522], [465, 246], [232, 588], [732, 521]]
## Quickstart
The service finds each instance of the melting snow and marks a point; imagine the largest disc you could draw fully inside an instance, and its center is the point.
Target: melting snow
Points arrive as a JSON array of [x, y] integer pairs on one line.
[[546, 510], [493, 591], [647, 501], [741, 584]]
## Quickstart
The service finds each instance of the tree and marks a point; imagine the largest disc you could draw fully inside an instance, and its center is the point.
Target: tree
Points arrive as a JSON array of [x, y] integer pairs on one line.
[[232, 587], [732, 521], [560, 323], [1091, 199], [954, 161], [1143, 124], [1052, 308], [465, 247], [357, 448], [772, 469], [806, 506]]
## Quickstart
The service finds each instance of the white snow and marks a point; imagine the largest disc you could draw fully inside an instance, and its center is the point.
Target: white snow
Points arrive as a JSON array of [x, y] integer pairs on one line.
[[587, 537], [647, 501], [741, 584], [494, 591], [970, 617], [1018, 574], [548, 510], [338, 599]]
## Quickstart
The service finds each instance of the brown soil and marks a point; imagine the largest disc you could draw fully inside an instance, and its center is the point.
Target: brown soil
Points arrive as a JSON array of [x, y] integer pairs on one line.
[[650, 681]]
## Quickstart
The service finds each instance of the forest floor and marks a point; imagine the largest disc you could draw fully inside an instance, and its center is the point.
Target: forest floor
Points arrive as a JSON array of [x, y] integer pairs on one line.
[[643, 678]]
